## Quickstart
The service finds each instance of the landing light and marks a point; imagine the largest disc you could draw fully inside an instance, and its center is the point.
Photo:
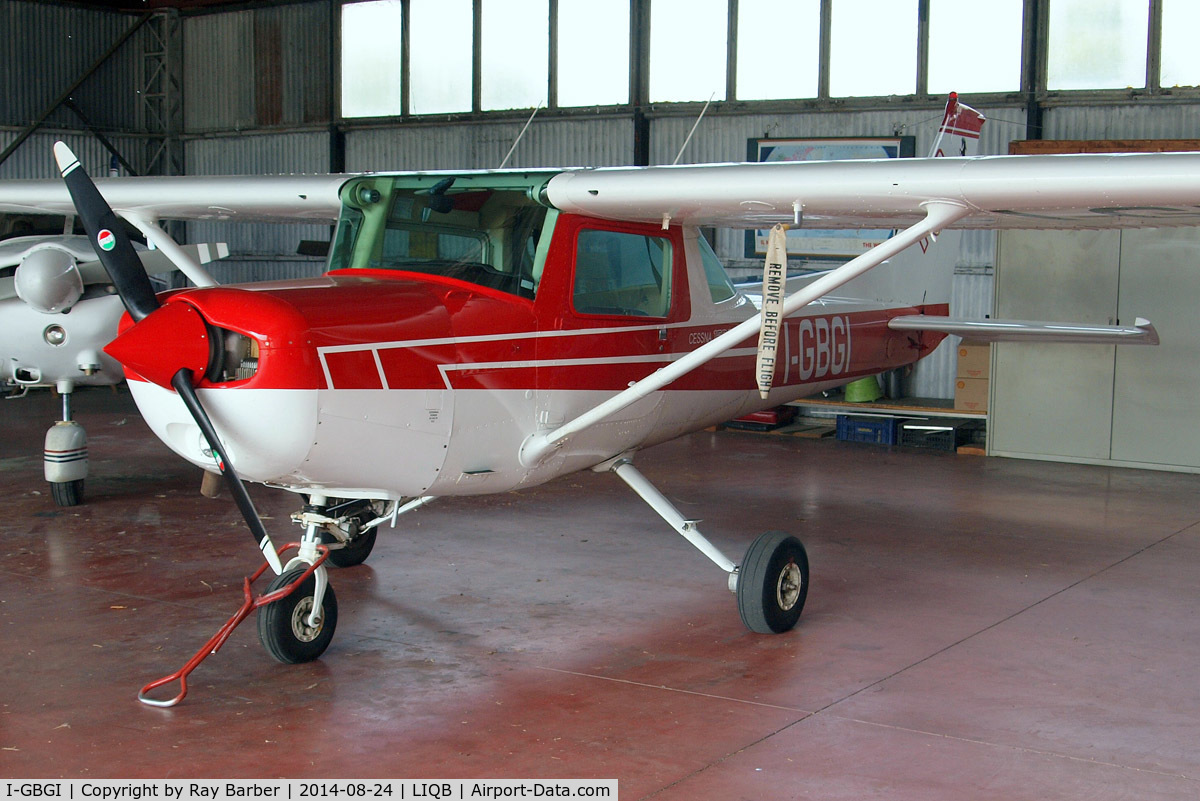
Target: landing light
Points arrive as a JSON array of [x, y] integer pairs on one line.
[[55, 335]]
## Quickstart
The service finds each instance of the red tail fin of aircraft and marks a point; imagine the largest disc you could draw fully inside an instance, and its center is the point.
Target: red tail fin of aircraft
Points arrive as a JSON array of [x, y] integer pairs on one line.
[[959, 132]]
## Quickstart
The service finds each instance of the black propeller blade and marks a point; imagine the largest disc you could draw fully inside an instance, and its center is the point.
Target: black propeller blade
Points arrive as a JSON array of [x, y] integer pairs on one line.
[[116, 251], [133, 285], [182, 382]]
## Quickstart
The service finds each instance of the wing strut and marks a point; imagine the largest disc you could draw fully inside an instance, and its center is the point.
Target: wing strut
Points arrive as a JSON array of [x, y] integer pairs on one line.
[[938, 215], [163, 241]]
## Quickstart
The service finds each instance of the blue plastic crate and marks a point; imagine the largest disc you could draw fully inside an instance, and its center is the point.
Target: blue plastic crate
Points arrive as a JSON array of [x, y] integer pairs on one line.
[[876, 430]]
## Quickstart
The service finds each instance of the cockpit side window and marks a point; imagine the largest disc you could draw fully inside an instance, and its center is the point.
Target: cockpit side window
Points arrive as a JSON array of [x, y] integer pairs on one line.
[[619, 273], [719, 285]]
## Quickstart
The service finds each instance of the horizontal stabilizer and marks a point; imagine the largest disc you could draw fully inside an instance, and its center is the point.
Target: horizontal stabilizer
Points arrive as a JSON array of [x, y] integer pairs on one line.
[[1142, 332]]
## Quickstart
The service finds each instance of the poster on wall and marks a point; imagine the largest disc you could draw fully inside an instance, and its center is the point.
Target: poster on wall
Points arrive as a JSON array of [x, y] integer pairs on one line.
[[815, 243]]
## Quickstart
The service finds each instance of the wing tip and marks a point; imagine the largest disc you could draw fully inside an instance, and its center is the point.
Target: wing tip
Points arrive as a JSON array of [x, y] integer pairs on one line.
[[1149, 332]]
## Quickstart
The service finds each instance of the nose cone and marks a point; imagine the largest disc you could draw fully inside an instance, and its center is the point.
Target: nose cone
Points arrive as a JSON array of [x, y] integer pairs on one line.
[[172, 338]]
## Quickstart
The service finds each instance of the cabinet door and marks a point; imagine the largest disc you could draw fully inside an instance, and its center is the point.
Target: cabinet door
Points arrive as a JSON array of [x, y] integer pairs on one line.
[[1054, 400], [1156, 401]]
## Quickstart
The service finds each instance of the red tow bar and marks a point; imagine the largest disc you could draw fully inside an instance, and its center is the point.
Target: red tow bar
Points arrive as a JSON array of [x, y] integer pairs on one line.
[[249, 604]]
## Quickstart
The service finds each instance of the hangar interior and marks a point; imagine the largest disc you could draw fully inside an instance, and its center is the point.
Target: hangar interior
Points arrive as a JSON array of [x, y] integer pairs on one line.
[[999, 627]]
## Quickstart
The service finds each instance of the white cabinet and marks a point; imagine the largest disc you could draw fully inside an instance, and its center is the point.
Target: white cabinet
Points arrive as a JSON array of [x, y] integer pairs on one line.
[[1129, 405]]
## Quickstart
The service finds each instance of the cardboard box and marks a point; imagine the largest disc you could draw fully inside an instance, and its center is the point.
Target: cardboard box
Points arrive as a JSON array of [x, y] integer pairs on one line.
[[943, 434], [974, 359], [971, 394]]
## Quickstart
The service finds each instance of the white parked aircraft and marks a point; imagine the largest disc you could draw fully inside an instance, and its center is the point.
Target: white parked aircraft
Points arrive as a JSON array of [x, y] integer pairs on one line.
[[58, 310]]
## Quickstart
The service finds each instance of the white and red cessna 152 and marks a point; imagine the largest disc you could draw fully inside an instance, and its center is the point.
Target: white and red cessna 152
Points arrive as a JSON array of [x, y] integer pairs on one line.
[[482, 331]]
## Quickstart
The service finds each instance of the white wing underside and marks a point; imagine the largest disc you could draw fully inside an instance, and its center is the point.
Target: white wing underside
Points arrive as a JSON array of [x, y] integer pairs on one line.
[[1130, 190], [1061, 191], [260, 198]]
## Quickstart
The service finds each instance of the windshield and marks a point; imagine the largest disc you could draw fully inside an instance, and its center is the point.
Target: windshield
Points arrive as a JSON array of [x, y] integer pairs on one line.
[[456, 228]]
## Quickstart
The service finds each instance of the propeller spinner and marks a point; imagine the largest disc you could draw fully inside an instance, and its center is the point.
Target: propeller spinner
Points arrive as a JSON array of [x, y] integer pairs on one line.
[[133, 285]]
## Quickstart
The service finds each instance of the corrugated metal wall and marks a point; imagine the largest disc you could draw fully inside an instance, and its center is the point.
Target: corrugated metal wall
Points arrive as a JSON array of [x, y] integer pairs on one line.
[[35, 157], [282, 153], [604, 141], [259, 251], [45, 48], [1141, 121], [260, 68]]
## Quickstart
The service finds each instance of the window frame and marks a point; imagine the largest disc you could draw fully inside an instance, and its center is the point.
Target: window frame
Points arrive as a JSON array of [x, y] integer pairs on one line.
[[1032, 92]]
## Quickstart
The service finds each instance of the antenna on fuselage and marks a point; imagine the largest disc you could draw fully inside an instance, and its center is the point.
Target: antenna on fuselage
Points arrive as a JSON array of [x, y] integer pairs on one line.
[[695, 125], [517, 141]]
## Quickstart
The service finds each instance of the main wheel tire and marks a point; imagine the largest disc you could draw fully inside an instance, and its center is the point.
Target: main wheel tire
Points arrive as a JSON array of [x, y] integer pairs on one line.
[[283, 625], [772, 583], [356, 551], [67, 493]]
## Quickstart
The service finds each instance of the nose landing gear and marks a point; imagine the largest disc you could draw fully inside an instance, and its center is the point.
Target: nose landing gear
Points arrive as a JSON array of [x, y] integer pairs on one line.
[[295, 633], [65, 456], [288, 628]]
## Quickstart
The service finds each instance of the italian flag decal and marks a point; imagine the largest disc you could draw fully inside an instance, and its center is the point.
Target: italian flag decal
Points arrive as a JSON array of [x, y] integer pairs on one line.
[[106, 240]]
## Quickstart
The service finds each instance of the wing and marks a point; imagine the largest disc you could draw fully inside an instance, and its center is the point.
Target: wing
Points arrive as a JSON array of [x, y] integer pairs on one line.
[[1125, 190], [916, 196], [1061, 191], [264, 198]]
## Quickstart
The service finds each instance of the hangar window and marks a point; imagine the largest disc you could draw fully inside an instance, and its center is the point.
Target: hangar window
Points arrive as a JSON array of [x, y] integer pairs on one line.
[[763, 72], [873, 48], [441, 48], [371, 76], [1097, 44], [593, 52], [515, 51], [410, 57], [688, 49], [1180, 56], [962, 58]]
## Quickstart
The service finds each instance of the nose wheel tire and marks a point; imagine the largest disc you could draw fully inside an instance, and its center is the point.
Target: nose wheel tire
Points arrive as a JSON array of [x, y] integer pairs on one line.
[[283, 625], [67, 493], [772, 583]]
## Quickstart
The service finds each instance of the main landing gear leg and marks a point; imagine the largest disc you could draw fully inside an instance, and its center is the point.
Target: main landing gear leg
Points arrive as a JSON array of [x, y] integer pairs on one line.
[[771, 584]]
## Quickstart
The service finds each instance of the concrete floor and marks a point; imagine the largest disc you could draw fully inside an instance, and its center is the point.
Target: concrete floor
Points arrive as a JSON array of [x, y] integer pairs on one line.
[[976, 629]]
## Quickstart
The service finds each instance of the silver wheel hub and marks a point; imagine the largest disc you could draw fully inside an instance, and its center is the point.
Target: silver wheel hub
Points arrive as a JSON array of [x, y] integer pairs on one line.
[[300, 628], [787, 588]]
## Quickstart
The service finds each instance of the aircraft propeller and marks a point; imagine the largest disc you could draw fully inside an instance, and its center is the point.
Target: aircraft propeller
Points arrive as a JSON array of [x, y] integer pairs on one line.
[[133, 286]]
